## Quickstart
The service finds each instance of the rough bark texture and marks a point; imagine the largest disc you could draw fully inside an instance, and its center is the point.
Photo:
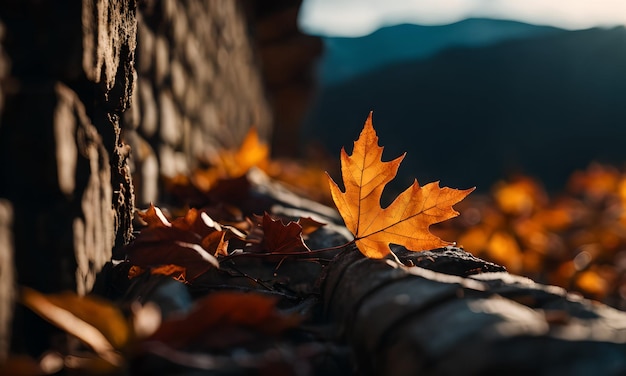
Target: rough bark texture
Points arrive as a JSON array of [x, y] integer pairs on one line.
[[454, 314]]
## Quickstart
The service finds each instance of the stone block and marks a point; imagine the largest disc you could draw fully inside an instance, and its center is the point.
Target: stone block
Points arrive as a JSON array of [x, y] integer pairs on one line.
[[170, 128], [161, 59], [145, 47], [149, 113], [179, 82]]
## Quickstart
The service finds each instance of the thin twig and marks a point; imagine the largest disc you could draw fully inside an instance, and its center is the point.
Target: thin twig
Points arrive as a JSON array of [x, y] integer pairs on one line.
[[245, 275], [269, 254]]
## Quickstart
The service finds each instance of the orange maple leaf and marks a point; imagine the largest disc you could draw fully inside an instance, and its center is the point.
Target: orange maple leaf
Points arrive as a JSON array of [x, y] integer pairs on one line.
[[406, 220]]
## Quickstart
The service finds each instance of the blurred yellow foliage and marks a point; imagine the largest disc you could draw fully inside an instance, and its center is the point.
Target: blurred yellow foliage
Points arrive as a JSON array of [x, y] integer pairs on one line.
[[575, 239]]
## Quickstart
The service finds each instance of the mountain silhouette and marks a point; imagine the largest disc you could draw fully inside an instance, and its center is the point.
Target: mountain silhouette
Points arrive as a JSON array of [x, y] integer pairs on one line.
[[544, 105], [346, 58]]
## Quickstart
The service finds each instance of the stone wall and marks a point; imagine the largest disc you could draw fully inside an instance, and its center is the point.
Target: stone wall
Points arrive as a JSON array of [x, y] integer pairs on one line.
[[66, 75], [198, 89], [93, 90]]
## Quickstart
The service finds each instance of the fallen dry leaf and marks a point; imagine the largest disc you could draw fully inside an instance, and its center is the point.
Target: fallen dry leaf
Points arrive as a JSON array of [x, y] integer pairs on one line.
[[176, 272], [281, 238], [189, 242], [94, 321], [309, 225], [220, 313], [406, 220], [24, 365]]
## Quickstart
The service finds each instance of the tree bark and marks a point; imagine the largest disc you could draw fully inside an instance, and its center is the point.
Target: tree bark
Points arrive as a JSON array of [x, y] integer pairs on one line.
[[453, 314]]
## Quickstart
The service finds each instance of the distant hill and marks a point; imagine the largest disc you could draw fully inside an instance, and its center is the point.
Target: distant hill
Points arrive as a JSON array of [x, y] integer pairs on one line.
[[346, 58], [544, 105]]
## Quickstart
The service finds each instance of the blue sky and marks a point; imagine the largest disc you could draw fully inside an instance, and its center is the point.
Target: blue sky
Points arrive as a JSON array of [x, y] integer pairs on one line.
[[353, 18]]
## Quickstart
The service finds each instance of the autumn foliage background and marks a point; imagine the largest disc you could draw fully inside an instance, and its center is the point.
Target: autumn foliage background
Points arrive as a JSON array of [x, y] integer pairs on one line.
[[575, 238]]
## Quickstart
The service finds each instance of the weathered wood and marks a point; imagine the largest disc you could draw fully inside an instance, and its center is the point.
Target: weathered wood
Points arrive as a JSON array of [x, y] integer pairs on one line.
[[474, 320]]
